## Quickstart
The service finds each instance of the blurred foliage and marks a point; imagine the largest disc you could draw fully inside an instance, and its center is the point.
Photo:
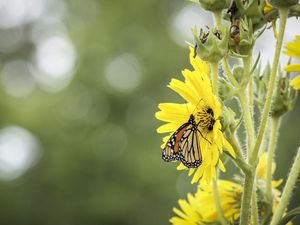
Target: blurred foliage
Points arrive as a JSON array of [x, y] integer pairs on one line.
[[103, 166]]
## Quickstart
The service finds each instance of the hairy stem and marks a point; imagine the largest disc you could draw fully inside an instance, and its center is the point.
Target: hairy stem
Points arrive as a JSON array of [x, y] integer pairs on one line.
[[249, 178], [246, 198], [271, 150], [228, 72], [283, 12], [218, 203], [255, 219], [287, 191], [247, 120]]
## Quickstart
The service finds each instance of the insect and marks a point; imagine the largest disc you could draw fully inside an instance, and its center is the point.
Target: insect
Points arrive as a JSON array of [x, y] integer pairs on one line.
[[184, 146]]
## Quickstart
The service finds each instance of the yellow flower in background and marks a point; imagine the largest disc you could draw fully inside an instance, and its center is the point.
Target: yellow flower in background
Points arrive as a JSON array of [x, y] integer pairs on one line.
[[292, 49], [204, 106], [200, 209], [267, 8]]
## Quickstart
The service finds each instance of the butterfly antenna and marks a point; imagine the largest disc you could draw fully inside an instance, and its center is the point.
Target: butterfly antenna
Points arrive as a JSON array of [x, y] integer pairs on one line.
[[187, 108], [197, 105]]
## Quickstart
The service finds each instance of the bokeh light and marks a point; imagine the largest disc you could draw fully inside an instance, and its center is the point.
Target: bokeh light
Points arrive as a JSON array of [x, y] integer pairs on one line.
[[19, 150]]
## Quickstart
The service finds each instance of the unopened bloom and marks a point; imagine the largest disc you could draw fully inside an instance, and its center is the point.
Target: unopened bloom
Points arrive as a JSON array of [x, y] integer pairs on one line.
[[292, 49], [196, 90]]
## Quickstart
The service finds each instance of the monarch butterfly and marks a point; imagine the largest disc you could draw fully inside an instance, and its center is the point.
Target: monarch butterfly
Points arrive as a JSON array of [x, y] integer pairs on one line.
[[184, 146]]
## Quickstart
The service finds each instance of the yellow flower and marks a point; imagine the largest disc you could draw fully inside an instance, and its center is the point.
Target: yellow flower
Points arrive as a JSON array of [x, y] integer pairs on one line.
[[267, 8], [200, 209], [293, 50], [204, 105]]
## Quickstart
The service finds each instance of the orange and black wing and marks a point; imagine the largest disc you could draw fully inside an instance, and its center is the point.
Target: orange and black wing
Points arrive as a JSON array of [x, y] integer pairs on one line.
[[184, 146]]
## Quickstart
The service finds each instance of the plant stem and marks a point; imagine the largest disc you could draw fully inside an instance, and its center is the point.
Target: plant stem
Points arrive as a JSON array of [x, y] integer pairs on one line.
[[254, 208], [214, 71], [228, 72], [246, 199], [249, 177], [247, 120], [283, 12], [217, 19], [271, 150], [218, 203], [287, 191]]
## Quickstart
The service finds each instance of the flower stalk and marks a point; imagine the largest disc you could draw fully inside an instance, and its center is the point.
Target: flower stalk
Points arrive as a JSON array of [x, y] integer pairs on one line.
[[218, 203], [287, 191], [249, 178], [271, 150], [283, 12]]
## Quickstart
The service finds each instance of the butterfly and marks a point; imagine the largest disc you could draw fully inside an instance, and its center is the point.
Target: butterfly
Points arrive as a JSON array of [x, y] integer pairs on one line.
[[184, 146]]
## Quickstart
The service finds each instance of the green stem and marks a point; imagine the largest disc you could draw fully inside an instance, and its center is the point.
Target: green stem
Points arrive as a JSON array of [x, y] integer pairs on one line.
[[249, 178], [263, 145], [214, 70], [228, 72], [247, 120], [287, 191], [239, 160], [255, 219], [218, 19], [283, 12], [246, 198], [218, 203], [271, 150]]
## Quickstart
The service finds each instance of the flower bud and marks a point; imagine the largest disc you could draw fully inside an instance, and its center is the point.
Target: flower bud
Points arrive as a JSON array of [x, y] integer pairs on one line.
[[283, 3], [241, 37], [285, 97], [214, 5], [226, 91], [228, 121], [251, 9], [238, 73], [261, 84], [212, 45]]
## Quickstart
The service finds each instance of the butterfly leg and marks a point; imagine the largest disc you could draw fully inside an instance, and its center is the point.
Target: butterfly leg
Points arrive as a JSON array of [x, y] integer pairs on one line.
[[203, 136]]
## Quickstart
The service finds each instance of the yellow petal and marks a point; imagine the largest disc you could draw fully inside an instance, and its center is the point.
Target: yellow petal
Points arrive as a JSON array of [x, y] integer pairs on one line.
[[168, 127], [292, 68], [183, 90], [228, 147], [295, 83], [221, 166]]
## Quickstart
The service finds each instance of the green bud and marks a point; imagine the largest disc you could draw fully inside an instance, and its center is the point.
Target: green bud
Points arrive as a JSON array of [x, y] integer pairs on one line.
[[238, 73], [228, 121], [226, 90], [285, 97], [214, 5], [261, 84], [251, 9], [212, 46], [283, 3], [241, 37]]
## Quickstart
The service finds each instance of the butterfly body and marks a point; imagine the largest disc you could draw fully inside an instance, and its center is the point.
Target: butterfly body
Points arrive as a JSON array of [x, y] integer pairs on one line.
[[184, 146]]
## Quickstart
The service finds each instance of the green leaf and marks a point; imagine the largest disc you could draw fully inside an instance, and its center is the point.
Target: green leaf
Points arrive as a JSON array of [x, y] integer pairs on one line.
[[289, 216]]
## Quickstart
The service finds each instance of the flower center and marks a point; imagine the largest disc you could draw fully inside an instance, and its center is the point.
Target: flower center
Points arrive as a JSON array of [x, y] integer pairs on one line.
[[206, 119]]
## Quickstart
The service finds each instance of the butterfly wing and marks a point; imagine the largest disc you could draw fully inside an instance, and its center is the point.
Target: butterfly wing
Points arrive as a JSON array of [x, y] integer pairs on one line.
[[172, 151], [190, 148], [183, 146]]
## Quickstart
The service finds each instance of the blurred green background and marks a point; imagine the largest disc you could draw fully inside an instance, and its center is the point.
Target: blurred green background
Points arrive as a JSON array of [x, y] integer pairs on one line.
[[80, 82]]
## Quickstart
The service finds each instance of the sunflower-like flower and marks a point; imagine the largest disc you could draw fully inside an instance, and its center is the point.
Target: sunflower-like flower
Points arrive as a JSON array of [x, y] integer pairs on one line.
[[200, 209], [205, 107], [292, 49]]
